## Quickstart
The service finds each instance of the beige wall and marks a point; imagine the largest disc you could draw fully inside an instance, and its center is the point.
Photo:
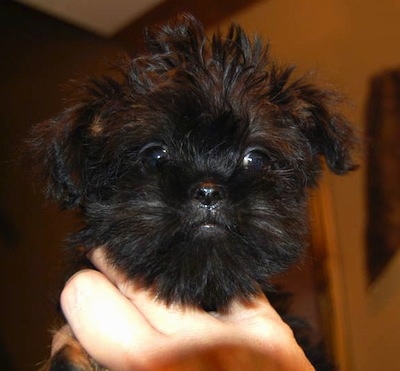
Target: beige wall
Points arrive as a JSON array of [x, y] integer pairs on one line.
[[346, 41]]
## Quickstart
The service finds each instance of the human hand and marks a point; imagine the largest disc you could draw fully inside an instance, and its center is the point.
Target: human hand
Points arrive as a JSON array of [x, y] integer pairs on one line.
[[123, 327]]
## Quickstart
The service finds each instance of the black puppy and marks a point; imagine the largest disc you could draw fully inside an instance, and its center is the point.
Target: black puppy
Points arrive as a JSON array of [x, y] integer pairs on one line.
[[193, 168]]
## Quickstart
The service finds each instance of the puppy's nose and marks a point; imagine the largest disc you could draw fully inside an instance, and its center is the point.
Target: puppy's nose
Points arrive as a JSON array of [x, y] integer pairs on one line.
[[209, 193]]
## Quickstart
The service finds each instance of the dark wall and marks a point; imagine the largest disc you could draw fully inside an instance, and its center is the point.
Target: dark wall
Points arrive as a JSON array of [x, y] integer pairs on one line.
[[38, 55]]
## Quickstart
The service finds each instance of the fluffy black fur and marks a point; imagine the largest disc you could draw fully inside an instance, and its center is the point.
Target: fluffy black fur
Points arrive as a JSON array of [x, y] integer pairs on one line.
[[193, 168]]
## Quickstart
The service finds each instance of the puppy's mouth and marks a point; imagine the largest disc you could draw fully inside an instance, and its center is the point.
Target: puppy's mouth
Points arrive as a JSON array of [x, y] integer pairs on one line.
[[207, 217], [211, 226]]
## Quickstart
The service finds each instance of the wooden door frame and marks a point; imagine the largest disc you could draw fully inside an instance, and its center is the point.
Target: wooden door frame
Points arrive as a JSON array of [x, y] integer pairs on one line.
[[330, 278]]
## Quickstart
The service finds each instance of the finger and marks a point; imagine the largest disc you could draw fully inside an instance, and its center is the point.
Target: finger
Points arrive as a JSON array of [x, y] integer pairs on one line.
[[104, 321], [98, 257], [245, 310], [168, 319], [258, 325]]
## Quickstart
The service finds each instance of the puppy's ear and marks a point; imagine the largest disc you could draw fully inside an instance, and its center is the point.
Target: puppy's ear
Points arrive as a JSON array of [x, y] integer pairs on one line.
[[329, 133], [60, 148], [58, 157]]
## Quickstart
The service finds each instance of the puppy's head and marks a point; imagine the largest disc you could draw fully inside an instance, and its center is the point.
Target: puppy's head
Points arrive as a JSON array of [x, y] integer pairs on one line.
[[193, 169]]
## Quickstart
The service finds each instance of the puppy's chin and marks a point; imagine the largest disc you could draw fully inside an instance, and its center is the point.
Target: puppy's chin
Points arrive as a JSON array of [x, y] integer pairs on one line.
[[204, 268], [208, 236]]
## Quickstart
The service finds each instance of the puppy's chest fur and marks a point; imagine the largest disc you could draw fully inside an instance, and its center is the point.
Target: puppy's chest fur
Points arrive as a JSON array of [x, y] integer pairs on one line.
[[193, 168]]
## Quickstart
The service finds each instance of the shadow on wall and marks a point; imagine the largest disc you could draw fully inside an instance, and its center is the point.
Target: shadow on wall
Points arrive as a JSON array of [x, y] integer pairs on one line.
[[383, 171]]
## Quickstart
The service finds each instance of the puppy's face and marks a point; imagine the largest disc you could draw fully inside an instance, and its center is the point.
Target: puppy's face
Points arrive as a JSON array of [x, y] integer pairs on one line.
[[193, 169], [200, 208]]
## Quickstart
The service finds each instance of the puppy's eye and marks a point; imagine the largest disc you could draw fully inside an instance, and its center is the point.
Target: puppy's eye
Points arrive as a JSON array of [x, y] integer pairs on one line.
[[153, 156], [256, 159]]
